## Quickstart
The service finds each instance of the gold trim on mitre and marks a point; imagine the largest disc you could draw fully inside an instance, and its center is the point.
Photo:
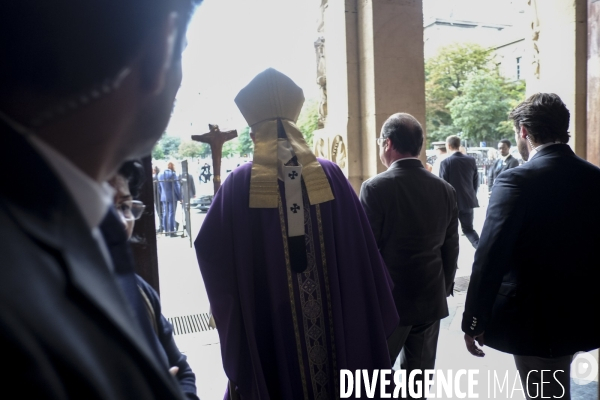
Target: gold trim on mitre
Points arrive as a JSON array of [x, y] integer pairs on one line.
[[269, 97]]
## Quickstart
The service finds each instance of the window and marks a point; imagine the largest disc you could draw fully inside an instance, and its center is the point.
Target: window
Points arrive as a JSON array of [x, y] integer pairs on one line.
[[518, 67]]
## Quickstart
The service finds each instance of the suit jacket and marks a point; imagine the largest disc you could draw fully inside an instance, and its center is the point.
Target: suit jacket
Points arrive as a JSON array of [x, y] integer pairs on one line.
[[169, 186], [498, 167], [413, 215], [460, 171], [534, 285], [188, 187], [65, 326]]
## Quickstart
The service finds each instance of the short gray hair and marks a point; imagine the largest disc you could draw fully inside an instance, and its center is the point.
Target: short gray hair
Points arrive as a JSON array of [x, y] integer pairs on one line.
[[405, 132]]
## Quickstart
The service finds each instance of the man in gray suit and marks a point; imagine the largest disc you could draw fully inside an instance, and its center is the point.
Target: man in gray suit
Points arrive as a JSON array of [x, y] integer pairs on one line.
[[85, 85], [413, 215]]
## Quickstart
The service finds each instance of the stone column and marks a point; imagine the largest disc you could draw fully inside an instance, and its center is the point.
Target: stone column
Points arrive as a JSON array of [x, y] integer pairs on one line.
[[593, 83], [392, 75], [375, 68], [559, 49]]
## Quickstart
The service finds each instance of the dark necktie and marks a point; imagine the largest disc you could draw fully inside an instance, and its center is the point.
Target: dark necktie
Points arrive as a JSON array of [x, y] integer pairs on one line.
[[115, 238]]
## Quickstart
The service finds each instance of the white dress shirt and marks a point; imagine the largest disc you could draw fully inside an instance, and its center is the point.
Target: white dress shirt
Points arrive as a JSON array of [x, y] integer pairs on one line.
[[540, 147], [402, 159]]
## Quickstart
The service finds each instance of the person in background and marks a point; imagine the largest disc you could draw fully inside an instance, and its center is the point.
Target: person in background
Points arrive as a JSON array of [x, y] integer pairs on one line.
[[442, 153], [170, 195], [157, 202], [188, 187], [205, 174], [504, 162], [127, 184], [460, 171], [188, 192]]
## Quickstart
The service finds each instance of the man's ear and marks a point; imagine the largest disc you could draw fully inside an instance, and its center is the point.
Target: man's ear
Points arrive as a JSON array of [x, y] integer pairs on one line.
[[523, 132], [158, 59]]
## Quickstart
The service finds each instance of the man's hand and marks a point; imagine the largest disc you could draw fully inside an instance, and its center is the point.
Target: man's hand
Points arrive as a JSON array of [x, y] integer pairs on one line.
[[472, 347], [173, 371]]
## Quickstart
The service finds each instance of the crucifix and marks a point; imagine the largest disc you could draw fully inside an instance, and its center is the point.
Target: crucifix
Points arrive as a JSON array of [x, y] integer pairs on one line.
[[215, 139]]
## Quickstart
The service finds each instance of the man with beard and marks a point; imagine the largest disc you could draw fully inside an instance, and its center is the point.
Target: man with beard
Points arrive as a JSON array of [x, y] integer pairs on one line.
[[535, 274], [86, 85]]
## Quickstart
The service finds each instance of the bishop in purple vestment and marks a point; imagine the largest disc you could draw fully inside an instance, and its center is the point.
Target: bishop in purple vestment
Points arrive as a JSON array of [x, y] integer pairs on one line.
[[296, 284]]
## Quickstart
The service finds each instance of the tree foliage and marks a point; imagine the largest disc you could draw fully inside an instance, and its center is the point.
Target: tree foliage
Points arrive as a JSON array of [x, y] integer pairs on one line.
[[230, 148], [170, 146], [245, 145], [445, 75], [190, 148], [481, 107], [157, 152], [466, 96]]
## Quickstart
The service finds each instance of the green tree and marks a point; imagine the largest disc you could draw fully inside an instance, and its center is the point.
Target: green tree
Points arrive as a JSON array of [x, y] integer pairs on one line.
[[445, 76], [170, 146], [481, 107], [245, 145], [190, 148], [308, 121], [158, 152], [515, 93], [205, 150], [230, 148]]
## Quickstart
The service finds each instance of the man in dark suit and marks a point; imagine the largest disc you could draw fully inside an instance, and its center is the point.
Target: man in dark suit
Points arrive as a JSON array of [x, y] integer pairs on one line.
[[413, 215], [460, 171], [535, 276], [85, 86], [504, 162]]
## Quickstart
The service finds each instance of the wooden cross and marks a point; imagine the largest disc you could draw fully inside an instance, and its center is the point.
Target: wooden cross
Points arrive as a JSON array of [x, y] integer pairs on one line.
[[215, 139]]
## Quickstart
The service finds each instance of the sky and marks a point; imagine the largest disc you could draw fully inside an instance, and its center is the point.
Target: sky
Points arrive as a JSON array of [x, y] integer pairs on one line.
[[230, 41]]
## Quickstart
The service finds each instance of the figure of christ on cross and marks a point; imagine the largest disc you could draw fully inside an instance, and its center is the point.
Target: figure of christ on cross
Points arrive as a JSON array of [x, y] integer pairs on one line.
[[215, 139]]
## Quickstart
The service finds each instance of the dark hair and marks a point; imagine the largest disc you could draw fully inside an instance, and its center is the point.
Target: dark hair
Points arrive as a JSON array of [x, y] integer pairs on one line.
[[133, 172], [405, 132], [506, 142], [545, 116], [453, 141], [65, 46]]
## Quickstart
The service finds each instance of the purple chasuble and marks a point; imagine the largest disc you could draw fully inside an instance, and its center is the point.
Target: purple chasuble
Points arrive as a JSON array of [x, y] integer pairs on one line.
[[286, 335]]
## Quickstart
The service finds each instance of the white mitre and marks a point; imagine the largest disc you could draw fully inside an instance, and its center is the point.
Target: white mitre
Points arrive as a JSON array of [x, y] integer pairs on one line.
[[269, 97]]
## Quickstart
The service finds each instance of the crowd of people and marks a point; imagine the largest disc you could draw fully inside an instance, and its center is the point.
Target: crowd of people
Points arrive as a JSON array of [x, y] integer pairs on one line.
[[304, 277]]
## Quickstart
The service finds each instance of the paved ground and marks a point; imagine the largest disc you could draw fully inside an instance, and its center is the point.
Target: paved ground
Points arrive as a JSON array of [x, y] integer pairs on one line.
[[183, 293]]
